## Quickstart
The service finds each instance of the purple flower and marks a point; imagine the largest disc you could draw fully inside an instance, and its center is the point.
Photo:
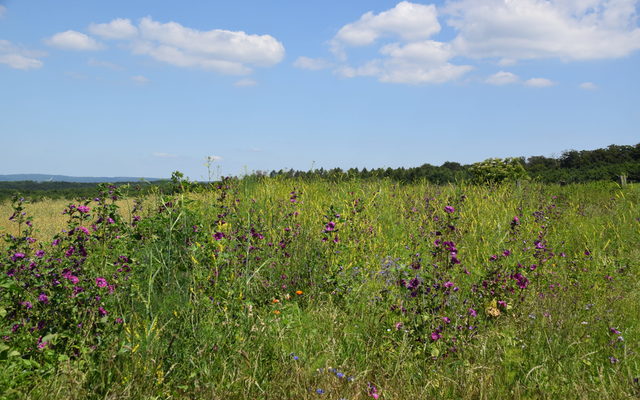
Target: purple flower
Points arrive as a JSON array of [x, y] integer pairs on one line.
[[27, 304], [218, 235], [446, 320], [40, 253], [413, 283], [41, 344], [435, 336], [83, 209], [506, 253], [84, 230], [43, 298], [102, 311], [17, 256], [330, 226], [473, 312], [449, 209], [448, 284], [101, 282]]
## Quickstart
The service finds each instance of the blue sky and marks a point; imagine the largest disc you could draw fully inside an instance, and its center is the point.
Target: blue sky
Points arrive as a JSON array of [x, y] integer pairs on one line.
[[143, 88]]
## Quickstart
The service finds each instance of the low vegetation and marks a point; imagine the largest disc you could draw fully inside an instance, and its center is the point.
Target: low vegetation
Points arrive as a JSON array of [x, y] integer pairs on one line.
[[280, 288]]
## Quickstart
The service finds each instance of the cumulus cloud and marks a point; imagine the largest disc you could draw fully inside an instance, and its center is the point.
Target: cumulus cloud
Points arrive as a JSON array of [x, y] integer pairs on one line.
[[19, 58], [539, 82], [223, 51], [588, 86], [532, 29], [73, 40], [502, 78], [411, 57], [406, 20], [314, 64], [119, 28], [507, 31]]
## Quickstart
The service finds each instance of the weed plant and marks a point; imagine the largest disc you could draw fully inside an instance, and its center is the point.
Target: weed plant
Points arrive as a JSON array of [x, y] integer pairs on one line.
[[271, 288]]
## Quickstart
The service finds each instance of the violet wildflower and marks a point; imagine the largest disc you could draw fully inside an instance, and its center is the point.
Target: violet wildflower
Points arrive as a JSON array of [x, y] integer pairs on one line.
[[83, 209], [218, 235], [27, 304], [373, 391], [330, 226], [449, 209], [101, 282], [435, 336], [17, 256], [473, 312], [102, 311], [43, 298]]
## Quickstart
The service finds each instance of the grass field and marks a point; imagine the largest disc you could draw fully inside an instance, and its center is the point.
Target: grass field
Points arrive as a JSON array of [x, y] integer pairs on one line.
[[289, 289]]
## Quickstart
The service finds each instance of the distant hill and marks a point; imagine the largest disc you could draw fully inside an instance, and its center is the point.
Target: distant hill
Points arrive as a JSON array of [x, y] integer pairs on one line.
[[64, 178]]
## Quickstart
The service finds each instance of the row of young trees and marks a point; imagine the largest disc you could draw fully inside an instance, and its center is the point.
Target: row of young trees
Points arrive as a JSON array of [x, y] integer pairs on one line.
[[571, 167]]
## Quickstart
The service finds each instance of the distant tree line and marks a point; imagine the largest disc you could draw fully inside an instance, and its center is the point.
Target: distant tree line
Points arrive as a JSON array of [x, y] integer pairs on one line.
[[571, 167], [36, 191]]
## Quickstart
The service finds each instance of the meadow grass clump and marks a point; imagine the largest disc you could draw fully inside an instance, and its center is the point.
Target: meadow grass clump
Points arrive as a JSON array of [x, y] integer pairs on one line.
[[283, 288]]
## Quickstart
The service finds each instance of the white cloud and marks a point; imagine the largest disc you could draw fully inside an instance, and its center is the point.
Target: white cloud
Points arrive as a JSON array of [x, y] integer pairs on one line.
[[164, 155], [406, 20], [227, 52], [588, 86], [314, 64], [73, 40], [245, 83], [3, 11], [530, 29], [539, 82], [502, 78], [19, 58], [140, 80], [119, 28], [411, 58]]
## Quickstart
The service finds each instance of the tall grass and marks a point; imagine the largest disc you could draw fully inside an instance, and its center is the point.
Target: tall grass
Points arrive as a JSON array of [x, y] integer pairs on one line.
[[283, 289]]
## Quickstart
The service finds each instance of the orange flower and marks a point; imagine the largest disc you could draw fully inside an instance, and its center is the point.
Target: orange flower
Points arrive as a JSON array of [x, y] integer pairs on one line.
[[274, 301], [276, 312], [298, 292]]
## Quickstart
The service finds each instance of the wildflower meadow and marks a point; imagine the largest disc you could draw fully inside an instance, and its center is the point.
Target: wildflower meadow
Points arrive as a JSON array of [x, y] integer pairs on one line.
[[282, 288]]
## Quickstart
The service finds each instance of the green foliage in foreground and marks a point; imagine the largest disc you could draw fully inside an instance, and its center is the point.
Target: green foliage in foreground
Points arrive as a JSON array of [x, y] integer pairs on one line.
[[283, 289]]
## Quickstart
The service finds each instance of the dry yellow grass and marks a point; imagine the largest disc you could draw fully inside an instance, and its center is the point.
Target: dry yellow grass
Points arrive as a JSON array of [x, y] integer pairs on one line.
[[47, 216]]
